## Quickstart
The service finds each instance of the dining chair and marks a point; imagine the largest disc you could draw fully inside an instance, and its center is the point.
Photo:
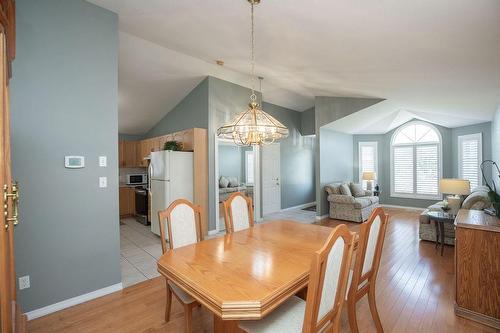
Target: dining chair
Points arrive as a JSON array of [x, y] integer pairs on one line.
[[363, 277], [325, 294], [184, 227], [238, 212]]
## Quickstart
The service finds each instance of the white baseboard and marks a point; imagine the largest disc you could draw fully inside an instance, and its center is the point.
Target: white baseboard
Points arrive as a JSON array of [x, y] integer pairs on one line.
[[299, 206], [73, 301], [321, 217], [403, 207], [213, 232]]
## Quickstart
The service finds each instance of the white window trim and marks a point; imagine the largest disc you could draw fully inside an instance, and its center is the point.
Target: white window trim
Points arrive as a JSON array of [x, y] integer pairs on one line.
[[439, 196], [374, 144], [461, 138]]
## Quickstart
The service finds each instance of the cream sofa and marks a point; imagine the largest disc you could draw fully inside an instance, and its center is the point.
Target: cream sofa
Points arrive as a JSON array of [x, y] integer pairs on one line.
[[477, 200], [355, 208]]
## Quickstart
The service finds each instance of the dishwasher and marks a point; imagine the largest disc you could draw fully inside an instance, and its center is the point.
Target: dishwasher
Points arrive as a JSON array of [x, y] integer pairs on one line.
[[141, 205]]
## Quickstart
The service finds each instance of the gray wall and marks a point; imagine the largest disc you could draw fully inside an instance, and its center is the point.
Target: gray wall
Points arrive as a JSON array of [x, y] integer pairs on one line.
[[130, 137], [64, 102], [450, 158], [191, 112], [307, 122], [336, 161], [326, 111], [231, 162], [495, 151], [485, 129], [296, 159]]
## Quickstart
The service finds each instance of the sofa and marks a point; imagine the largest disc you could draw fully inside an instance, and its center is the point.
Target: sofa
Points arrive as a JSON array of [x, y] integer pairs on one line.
[[229, 185], [348, 201], [477, 200]]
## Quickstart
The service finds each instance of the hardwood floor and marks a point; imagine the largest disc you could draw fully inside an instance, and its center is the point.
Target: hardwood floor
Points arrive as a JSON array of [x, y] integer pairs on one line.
[[415, 292]]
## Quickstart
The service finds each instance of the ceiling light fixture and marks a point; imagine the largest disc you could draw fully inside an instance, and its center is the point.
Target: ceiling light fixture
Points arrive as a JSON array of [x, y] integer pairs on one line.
[[253, 126]]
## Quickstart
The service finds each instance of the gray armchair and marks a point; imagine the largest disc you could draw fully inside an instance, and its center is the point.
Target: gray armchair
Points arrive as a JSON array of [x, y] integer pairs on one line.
[[356, 205]]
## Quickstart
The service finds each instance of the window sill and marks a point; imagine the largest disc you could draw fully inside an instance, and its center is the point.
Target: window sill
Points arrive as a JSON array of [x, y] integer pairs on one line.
[[418, 197]]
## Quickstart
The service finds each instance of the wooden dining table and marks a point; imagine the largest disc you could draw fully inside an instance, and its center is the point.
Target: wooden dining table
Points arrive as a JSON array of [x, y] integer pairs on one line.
[[246, 274]]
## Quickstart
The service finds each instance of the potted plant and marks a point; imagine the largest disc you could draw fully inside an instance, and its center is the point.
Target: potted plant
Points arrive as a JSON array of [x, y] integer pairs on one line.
[[172, 145], [492, 194]]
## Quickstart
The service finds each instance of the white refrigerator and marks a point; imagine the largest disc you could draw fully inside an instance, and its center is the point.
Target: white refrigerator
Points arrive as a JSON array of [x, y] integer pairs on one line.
[[170, 178]]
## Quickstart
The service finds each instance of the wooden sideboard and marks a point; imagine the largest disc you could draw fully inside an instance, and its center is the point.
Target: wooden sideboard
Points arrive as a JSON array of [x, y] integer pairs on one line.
[[477, 267]]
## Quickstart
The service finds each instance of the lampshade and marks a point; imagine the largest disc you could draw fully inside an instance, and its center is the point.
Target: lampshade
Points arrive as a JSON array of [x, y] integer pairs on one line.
[[369, 175], [454, 186]]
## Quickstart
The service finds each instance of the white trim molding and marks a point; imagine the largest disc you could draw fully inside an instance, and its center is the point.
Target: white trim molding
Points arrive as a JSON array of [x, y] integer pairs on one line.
[[318, 218], [300, 206], [402, 207], [73, 301]]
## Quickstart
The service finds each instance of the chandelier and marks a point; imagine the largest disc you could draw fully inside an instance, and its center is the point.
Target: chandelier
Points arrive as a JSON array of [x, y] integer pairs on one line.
[[253, 126]]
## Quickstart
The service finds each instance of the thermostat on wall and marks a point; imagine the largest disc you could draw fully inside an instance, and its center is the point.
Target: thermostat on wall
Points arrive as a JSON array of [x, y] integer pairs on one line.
[[74, 162]]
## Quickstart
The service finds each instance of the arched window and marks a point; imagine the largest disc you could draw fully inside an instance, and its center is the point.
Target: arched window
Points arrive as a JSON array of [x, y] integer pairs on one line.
[[416, 160]]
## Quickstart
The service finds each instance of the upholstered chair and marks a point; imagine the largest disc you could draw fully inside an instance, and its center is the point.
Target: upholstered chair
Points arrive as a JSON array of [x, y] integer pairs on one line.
[[184, 228], [238, 212], [325, 295], [364, 275]]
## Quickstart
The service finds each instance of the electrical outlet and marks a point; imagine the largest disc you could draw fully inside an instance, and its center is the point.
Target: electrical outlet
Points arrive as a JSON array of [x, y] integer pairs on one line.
[[24, 282], [103, 182]]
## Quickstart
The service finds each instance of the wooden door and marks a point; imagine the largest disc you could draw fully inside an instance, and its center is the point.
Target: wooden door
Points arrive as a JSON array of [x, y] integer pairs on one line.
[[11, 318]]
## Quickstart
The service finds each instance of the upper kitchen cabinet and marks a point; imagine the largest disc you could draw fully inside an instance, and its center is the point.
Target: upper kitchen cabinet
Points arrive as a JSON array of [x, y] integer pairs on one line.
[[128, 154]]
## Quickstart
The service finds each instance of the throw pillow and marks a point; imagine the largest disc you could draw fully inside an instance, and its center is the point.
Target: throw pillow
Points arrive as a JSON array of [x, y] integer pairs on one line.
[[233, 182], [223, 182], [333, 188], [344, 190], [357, 190]]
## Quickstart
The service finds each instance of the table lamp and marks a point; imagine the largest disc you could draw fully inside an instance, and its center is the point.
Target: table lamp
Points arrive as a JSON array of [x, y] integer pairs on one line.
[[369, 176], [456, 188]]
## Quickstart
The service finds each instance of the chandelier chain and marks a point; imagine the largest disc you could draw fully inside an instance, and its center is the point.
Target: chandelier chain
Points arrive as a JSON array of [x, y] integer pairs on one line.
[[253, 97]]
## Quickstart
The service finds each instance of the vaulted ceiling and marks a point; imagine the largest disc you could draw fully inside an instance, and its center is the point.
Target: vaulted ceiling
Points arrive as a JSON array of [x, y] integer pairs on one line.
[[435, 60]]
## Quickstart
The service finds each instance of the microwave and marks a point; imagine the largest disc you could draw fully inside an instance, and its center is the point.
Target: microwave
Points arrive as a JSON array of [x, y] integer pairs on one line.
[[137, 179]]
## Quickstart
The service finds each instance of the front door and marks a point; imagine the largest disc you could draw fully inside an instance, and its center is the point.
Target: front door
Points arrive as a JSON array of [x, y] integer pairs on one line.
[[271, 181], [11, 318]]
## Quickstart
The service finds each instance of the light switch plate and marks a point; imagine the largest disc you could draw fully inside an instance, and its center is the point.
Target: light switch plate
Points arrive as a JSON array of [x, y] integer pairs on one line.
[[103, 182], [103, 161], [24, 282]]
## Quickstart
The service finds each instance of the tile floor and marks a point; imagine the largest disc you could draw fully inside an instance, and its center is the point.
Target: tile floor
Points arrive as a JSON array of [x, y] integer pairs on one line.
[[140, 248]]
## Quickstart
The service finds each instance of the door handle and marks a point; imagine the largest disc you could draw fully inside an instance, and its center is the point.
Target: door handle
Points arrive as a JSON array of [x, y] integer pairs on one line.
[[14, 198]]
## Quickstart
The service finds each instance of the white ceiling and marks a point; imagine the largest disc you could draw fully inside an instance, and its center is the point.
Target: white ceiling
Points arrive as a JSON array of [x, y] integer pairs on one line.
[[438, 60]]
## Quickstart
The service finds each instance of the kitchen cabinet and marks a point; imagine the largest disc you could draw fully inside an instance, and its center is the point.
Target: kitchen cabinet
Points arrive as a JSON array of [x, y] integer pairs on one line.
[[127, 201], [127, 151]]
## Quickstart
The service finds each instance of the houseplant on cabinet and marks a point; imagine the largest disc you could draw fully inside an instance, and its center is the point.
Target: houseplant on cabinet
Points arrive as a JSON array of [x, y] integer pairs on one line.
[[172, 145]]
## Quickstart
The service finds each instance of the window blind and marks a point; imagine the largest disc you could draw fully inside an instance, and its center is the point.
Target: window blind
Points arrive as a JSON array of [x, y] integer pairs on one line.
[[470, 158], [403, 169], [367, 159], [427, 169]]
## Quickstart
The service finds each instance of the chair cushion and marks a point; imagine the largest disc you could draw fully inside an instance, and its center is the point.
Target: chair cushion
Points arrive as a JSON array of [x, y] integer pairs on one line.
[[362, 202], [184, 296], [287, 318], [345, 190], [223, 182], [341, 199], [357, 190]]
